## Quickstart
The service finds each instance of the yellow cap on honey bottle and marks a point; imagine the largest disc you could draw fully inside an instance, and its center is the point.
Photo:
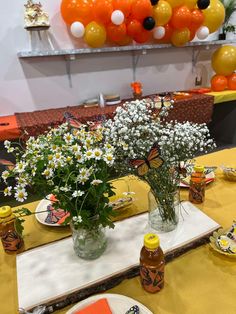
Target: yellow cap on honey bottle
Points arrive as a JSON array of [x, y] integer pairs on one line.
[[199, 168], [151, 241], [5, 211]]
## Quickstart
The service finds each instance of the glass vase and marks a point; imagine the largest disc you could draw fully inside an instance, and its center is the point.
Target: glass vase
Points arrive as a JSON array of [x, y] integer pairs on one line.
[[164, 210], [89, 244]]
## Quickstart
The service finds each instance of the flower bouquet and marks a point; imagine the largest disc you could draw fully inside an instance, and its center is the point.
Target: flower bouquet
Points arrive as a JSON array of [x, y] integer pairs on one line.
[[152, 148], [73, 164]]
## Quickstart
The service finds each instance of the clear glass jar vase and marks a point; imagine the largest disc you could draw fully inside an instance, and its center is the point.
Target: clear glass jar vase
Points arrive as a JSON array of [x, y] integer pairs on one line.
[[89, 244], [164, 210]]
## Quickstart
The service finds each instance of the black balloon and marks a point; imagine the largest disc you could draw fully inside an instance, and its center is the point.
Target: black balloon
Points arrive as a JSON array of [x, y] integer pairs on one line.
[[149, 23], [154, 2], [203, 4]]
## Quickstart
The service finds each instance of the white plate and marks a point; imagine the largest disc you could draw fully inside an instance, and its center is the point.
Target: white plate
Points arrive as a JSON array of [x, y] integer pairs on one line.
[[41, 217], [119, 304]]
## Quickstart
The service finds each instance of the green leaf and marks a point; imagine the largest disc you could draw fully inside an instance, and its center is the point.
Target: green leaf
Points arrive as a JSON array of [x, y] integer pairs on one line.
[[23, 212], [19, 225]]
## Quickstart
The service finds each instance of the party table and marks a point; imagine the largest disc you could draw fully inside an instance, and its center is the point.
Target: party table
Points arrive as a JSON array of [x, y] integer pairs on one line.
[[200, 281], [224, 96], [222, 126]]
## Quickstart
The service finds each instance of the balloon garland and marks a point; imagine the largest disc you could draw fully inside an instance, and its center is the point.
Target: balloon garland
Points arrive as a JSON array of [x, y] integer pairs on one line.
[[223, 62], [122, 21]]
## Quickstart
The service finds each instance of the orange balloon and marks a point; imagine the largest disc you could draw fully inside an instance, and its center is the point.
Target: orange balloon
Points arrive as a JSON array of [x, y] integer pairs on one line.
[[181, 17], [142, 37], [168, 33], [192, 34], [116, 33], [76, 11], [134, 27], [102, 11], [232, 81], [197, 19], [218, 83], [123, 5], [141, 9], [125, 41]]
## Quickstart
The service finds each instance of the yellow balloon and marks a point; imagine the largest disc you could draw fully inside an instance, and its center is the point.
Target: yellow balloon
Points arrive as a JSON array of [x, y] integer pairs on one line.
[[180, 37], [95, 35], [175, 3], [162, 12], [214, 15], [191, 4], [223, 60]]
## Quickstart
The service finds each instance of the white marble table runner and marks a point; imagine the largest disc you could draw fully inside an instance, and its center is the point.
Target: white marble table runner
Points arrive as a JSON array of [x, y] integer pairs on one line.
[[53, 270]]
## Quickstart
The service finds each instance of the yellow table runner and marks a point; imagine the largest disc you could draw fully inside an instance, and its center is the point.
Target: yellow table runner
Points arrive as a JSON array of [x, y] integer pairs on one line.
[[200, 282], [224, 96]]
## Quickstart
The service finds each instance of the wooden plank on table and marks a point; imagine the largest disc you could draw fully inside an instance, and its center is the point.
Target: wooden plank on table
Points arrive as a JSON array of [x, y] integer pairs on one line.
[[52, 275]]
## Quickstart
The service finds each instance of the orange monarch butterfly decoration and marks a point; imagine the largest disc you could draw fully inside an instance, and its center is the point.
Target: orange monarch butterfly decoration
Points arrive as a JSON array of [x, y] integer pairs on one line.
[[153, 160]]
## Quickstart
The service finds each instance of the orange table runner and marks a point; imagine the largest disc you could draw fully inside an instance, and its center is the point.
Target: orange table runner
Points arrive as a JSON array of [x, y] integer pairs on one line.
[[9, 128]]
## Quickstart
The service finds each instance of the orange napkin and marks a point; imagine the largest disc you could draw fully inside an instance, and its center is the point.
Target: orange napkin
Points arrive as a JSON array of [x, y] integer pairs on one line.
[[99, 307]]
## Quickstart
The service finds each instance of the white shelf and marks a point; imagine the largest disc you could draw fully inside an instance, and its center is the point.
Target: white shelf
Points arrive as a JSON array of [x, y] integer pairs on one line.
[[86, 51]]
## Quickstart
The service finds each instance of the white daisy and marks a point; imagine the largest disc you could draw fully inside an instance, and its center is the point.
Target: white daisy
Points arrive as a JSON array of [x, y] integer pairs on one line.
[[77, 193], [89, 154], [20, 167], [79, 157], [5, 175], [7, 144], [75, 148], [109, 158], [69, 160], [10, 149], [48, 173], [97, 153], [68, 137], [66, 188], [82, 179], [20, 194], [7, 191], [96, 182]]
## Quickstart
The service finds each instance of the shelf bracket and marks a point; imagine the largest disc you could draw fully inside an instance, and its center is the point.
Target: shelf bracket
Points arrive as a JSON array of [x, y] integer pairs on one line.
[[135, 60], [195, 55], [68, 68]]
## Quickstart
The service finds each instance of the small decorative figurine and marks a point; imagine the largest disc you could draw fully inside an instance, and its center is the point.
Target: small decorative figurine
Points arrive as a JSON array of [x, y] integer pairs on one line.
[[35, 17], [137, 90]]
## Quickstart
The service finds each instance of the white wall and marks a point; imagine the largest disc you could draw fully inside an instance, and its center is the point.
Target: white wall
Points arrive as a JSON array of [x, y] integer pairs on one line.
[[28, 85]]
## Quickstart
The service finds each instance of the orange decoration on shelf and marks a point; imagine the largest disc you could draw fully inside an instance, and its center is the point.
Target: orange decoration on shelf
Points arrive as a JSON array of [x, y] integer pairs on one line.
[[134, 27], [116, 33], [123, 5], [181, 17], [141, 9], [76, 11], [197, 19], [137, 89], [219, 83], [232, 81], [142, 37], [102, 10]]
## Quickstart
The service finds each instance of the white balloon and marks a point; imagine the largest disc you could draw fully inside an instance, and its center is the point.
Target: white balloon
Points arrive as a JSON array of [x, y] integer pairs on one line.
[[77, 29], [159, 32], [202, 32], [117, 17]]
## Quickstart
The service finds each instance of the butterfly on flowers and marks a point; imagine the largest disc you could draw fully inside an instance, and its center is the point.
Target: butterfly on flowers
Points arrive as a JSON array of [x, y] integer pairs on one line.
[[71, 120], [153, 160], [7, 163]]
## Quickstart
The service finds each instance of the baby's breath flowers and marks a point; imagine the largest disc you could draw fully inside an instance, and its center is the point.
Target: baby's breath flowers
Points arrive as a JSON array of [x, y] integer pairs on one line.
[[73, 165], [136, 127]]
